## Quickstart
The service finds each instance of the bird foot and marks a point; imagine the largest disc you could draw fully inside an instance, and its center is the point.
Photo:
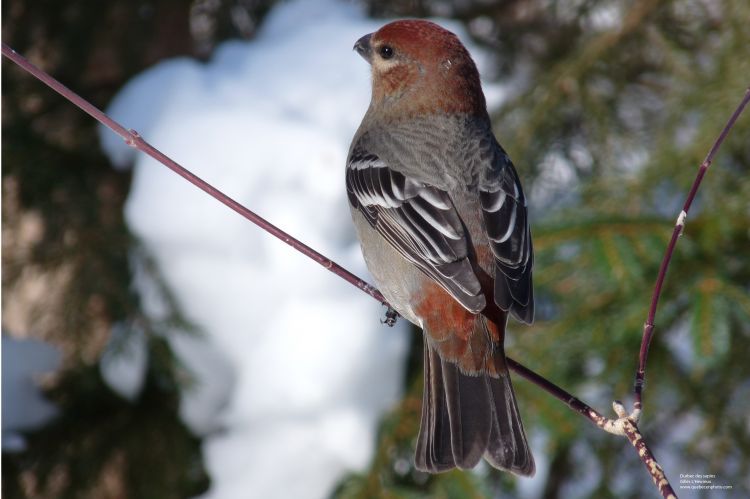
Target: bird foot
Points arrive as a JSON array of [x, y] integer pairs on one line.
[[391, 316]]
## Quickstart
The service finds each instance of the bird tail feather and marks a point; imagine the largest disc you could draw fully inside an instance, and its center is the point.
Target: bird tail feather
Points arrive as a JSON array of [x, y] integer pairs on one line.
[[469, 416]]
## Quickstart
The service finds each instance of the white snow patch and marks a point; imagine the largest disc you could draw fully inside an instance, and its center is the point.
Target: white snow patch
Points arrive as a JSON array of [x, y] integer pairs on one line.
[[24, 407], [124, 361]]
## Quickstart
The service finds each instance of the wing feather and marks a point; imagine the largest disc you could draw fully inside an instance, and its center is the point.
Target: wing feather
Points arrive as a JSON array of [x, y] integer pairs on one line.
[[418, 220], [506, 222], [422, 223]]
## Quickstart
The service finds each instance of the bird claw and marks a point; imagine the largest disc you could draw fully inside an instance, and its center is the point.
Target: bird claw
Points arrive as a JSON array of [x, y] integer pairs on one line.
[[391, 316]]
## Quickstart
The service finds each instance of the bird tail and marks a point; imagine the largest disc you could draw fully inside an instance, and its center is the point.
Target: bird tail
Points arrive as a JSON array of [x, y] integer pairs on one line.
[[466, 417]]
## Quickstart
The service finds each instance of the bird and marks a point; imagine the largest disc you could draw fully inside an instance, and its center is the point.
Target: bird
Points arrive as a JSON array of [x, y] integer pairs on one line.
[[443, 226]]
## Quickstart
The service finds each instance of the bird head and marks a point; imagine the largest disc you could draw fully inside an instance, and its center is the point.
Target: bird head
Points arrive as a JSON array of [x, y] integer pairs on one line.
[[419, 67]]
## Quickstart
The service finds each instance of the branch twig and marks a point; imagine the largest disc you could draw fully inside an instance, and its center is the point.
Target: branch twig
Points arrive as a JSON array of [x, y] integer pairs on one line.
[[648, 327], [625, 425]]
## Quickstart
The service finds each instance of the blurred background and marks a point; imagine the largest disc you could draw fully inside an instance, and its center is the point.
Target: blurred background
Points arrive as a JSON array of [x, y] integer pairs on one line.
[[118, 382]]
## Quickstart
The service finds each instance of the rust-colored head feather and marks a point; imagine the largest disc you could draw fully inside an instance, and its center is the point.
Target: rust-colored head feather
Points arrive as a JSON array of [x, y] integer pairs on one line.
[[420, 68]]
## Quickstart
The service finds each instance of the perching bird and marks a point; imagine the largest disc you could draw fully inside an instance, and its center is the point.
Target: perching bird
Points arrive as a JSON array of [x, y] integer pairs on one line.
[[442, 221]]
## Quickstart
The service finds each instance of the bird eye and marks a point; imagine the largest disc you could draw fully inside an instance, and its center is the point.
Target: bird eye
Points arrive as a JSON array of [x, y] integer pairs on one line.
[[386, 52]]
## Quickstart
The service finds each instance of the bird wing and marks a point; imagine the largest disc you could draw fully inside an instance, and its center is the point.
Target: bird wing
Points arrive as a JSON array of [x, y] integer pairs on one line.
[[506, 222], [419, 220]]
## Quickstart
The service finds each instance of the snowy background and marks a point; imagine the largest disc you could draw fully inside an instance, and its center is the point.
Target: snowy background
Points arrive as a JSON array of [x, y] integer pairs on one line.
[[269, 121], [24, 407], [294, 366]]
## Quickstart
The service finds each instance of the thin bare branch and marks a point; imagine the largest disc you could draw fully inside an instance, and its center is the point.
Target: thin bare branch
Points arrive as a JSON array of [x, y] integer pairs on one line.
[[633, 434], [625, 425], [648, 327]]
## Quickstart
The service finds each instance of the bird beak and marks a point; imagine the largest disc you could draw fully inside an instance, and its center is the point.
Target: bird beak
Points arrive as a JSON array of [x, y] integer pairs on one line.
[[364, 48]]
